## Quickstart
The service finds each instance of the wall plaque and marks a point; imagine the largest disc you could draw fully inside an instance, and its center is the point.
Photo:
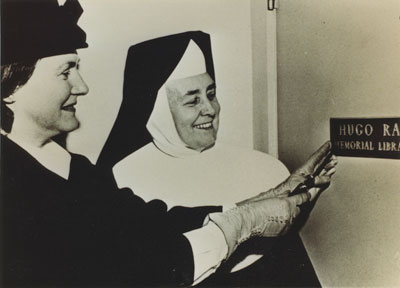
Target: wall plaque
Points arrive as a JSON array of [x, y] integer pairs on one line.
[[366, 137]]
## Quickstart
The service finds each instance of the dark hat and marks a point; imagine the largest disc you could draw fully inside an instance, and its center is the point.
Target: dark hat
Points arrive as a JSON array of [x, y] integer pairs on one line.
[[148, 66], [33, 29]]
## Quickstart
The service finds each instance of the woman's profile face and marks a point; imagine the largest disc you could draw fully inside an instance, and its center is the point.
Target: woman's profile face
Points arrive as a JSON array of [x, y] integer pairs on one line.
[[195, 110], [47, 101]]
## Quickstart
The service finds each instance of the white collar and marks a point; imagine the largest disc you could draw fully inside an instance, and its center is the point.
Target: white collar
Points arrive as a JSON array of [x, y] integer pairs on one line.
[[51, 155]]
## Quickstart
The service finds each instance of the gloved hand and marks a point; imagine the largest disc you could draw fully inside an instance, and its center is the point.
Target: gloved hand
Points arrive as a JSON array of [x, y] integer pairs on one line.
[[318, 170], [323, 179], [315, 173], [267, 218]]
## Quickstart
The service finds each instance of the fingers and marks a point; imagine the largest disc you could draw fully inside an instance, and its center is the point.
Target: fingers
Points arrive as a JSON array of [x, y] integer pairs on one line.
[[319, 156], [298, 199], [332, 163], [327, 173], [324, 177], [296, 212], [331, 172], [320, 181], [313, 192]]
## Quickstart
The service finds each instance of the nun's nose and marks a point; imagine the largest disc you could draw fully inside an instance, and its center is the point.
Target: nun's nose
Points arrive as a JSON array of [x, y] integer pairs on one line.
[[207, 109]]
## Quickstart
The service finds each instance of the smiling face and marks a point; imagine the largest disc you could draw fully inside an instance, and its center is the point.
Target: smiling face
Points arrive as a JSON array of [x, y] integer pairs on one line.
[[195, 110], [46, 102]]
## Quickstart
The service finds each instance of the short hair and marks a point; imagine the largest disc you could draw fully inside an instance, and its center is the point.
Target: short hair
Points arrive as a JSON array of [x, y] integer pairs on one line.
[[13, 76]]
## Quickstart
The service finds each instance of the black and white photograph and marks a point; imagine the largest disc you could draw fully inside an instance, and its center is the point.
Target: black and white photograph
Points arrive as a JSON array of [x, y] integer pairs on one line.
[[209, 143]]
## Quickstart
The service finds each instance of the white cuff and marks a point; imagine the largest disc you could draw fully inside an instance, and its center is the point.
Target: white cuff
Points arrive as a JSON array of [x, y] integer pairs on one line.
[[209, 250]]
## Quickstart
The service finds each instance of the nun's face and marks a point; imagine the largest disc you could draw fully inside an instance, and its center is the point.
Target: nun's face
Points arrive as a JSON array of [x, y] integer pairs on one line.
[[195, 110]]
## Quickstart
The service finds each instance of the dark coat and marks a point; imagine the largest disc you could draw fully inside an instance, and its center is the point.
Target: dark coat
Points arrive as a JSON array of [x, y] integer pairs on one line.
[[85, 231]]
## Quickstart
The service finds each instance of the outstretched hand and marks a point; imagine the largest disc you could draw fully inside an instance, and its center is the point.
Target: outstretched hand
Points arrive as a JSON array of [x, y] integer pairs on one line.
[[314, 175], [272, 213]]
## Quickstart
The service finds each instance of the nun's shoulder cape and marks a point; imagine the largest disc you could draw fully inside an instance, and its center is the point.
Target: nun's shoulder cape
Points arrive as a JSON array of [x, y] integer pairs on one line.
[[221, 175]]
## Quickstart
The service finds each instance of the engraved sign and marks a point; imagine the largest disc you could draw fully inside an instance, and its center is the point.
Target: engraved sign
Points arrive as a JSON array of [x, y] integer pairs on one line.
[[366, 137]]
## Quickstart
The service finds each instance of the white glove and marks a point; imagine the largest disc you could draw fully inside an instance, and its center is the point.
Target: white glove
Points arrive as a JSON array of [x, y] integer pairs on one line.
[[266, 218]]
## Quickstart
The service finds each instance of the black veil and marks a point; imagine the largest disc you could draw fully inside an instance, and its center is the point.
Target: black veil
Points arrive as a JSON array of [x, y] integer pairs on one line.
[[148, 66]]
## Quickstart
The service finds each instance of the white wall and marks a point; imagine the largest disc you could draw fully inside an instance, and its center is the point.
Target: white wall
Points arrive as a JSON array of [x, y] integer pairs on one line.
[[264, 78], [342, 59], [113, 26]]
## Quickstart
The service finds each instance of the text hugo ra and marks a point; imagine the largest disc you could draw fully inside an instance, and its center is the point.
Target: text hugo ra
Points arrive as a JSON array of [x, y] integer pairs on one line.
[[368, 129]]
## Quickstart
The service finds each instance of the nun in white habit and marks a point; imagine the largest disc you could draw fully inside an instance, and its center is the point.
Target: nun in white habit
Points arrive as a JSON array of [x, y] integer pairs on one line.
[[184, 164], [164, 146]]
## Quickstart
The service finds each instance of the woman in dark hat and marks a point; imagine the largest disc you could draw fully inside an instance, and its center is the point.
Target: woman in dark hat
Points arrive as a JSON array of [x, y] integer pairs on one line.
[[64, 222]]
